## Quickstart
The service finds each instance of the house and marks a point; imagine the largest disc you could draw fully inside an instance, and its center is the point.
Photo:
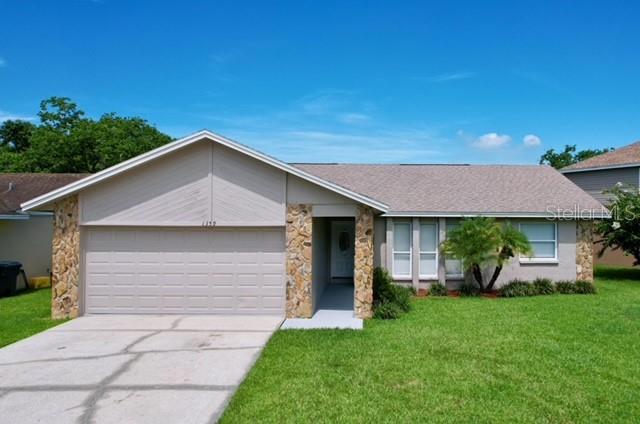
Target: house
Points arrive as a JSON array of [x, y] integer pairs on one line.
[[600, 173], [208, 225], [26, 237]]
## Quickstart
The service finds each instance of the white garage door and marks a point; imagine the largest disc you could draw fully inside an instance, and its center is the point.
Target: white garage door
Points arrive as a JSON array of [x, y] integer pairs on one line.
[[184, 271]]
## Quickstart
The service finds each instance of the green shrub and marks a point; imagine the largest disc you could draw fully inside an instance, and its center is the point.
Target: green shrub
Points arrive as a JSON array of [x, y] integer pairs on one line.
[[469, 290], [438, 289], [585, 287], [565, 287], [543, 286], [389, 299], [387, 311], [517, 288]]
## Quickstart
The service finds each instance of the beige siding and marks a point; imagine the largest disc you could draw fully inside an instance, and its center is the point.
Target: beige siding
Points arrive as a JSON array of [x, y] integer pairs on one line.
[[28, 242], [173, 190], [594, 182], [245, 190], [198, 184], [301, 191]]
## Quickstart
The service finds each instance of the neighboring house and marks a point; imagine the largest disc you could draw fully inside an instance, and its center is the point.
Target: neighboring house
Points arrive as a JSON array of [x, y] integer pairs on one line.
[[26, 237], [600, 173], [207, 225]]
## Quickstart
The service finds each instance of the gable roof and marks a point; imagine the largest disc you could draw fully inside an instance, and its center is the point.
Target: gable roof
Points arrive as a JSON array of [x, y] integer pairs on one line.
[[184, 142], [461, 190], [623, 157], [16, 188]]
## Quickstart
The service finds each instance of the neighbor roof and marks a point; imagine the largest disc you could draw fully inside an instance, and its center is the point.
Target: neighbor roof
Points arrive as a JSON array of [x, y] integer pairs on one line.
[[620, 158], [18, 188], [460, 190]]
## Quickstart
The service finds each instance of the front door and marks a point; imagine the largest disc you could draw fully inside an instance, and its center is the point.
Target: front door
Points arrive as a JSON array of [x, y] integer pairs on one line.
[[342, 249]]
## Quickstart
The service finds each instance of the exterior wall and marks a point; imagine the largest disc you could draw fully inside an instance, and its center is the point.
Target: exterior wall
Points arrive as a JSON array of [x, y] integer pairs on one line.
[[612, 257], [300, 191], [65, 259], [379, 241], [320, 256], [298, 261], [245, 190], [363, 269], [594, 182], [28, 242], [198, 184], [564, 268]]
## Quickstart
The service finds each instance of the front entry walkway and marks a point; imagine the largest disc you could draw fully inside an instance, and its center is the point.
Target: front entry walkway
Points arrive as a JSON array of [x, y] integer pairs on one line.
[[335, 310], [130, 369]]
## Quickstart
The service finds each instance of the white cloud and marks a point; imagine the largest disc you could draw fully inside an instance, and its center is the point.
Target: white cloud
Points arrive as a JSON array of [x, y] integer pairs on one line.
[[5, 116], [354, 118], [3, 62], [491, 140], [531, 140], [451, 77]]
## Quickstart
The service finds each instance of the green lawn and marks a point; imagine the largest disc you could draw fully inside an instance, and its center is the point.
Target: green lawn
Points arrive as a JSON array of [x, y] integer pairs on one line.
[[561, 358], [25, 314]]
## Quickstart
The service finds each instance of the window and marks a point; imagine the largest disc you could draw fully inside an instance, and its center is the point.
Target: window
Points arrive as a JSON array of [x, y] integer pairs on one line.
[[543, 239], [401, 249], [428, 250], [453, 266]]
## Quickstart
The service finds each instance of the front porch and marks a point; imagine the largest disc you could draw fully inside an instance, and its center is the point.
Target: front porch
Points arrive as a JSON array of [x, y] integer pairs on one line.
[[334, 310], [329, 267]]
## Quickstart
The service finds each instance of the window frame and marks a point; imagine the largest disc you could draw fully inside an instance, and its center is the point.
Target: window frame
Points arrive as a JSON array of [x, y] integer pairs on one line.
[[460, 275], [395, 275], [429, 252], [533, 259]]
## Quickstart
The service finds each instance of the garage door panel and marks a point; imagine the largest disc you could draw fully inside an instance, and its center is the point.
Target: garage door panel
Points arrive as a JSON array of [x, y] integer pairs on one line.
[[141, 270]]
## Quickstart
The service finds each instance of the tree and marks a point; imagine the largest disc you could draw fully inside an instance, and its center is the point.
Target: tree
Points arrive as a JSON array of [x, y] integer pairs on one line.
[[482, 242], [569, 156], [622, 231], [67, 141], [15, 135]]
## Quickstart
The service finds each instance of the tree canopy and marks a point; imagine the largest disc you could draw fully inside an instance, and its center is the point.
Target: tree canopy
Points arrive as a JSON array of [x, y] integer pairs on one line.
[[67, 141], [569, 156], [622, 231]]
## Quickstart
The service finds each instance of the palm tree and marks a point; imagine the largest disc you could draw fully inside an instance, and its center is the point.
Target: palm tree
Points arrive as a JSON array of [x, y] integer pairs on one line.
[[481, 242]]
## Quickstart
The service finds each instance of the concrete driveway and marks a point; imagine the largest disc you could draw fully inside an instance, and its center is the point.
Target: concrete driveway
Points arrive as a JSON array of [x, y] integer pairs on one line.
[[130, 369]]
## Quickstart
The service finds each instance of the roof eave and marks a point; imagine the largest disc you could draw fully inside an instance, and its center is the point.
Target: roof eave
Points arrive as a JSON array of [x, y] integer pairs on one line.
[[586, 214], [600, 168]]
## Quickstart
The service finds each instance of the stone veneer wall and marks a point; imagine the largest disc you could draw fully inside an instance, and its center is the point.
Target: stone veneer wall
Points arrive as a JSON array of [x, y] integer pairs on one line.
[[363, 269], [298, 260], [65, 259], [584, 250]]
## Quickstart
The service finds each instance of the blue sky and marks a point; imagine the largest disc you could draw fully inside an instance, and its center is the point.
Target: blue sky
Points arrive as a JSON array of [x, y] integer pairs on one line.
[[340, 81]]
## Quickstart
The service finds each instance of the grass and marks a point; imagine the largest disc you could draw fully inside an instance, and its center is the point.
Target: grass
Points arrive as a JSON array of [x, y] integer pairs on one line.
[[559, 358], [25, 314]]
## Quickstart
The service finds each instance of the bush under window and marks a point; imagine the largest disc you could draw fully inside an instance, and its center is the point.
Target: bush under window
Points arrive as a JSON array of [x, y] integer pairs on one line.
[[389, 300]]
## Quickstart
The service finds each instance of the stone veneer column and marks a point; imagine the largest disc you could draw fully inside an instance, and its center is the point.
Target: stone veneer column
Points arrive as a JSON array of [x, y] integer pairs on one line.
[[298, 261], [65, 259], [584, 250], [363, 269]]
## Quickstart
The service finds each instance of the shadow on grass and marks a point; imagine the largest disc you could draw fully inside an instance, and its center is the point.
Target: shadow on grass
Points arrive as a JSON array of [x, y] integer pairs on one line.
[[617, 273]]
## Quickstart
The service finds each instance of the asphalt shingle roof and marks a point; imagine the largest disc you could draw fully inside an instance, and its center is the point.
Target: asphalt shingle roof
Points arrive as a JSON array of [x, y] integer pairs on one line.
[[17, 188], [626, 155], [450, 189]]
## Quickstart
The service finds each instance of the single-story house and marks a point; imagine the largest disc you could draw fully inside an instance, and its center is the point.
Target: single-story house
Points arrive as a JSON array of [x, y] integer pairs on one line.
[[207, 225], [600, 173], [26, 237]]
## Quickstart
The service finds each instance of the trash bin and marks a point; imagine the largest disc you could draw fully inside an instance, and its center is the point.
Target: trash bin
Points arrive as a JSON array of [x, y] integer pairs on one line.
[[9, 271]]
